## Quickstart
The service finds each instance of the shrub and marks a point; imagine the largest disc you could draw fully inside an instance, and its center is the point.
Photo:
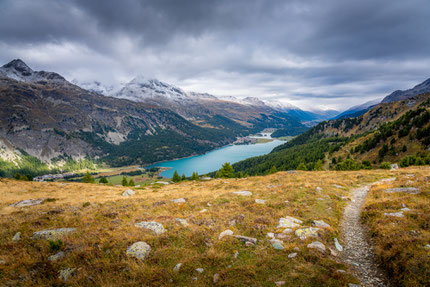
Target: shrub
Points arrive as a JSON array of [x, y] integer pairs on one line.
[[385, 165], [103, 180], [88, 178], [302, 166]]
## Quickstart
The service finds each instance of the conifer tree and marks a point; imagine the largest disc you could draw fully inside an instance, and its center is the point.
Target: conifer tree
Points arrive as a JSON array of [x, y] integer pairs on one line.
[[103, 180], [195, 176], [124, 181], [88, 178], [318, 165], [131, 182], [302, 166], [226, 171], [176, 177]]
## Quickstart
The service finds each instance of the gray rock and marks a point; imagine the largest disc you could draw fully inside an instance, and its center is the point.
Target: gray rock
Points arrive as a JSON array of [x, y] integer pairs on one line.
[[200, 270], [260, 201], [304, 233], [179, 200], [337, 245], [292, 255], [236, 254], [2, 262], [158, 228], [320, 223], [17, 236], [296, 249], [28, 202], [270, 235], [338, 186], [65, 273], [410, 190], [139, 250], [177, 267], [395, 214], [279, 283], [289, 222], [319, 189], [243, 193], [246, 239], [317, 245], [353, 285], [227, 232], [394, 166], [427, 246], [405, 209], [288, 231], [52, 234], [277, 244], [128, 192], [183, 222], [56, 257], [162, 182]]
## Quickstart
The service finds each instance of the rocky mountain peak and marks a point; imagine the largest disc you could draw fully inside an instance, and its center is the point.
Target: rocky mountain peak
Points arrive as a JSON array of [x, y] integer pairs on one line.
[[19, 66], [20, 71]]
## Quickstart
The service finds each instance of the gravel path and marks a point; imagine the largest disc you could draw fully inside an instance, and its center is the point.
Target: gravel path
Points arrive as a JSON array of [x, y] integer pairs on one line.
[[358, 252]]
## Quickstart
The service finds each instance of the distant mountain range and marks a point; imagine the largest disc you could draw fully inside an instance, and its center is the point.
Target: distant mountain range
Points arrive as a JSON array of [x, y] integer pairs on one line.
[[45, 116], [395, 96]]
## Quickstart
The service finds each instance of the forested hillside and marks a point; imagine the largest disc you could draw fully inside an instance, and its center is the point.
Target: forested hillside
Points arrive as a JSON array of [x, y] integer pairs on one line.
[[396, 132]]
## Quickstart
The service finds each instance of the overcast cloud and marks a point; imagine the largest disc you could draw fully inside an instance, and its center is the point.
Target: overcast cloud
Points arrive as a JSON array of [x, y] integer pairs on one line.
[[316, 53]]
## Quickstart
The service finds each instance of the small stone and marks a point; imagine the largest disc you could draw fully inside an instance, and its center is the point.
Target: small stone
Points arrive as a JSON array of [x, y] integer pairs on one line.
[[179, 200], [249, 244], [158, 228], [177, 267], [292, 255], [28, 202], [128, 192], [260, 201], [56, 257], [304, 233], [227, 232], [243, 193], [183, 222], [427, 246], [320, 223], [341, 271], [337, 245], [276, 244], [317, 245], [353, 285], [203, 210], [2, 262], [279, 283], [288, 231], [246, 239], [338, 186], [215, 278], [64, 274], [52, 234], [296, 249], [236, 254], [281, 235], [394, 214], [200, 270], [271, 235], [333, 252], [17, 236], [410, 190], [139, 250], [405, 209], [319, 189], [394, 166]]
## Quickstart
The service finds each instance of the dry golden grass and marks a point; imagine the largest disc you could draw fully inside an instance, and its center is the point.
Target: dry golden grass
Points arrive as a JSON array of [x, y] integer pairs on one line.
[[400, 242], [105, 228]]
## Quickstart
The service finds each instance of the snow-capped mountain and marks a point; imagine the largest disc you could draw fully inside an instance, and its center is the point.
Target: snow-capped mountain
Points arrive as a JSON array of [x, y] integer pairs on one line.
[[19, 71], [359, 109], [96, 87]]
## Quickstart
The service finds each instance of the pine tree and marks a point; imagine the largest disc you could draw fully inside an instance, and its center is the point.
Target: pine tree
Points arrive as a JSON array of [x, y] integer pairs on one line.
[[226, 170], [124, 181], [273, 170], [183, 177], [302, 166], [131, 182], [176, 177], [88, 178], [195, 176], [239, 174], [318, 165], [103, 180]]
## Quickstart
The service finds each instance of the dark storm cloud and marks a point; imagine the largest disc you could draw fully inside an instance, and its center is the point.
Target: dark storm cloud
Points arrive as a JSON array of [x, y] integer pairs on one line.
[[303, 51]]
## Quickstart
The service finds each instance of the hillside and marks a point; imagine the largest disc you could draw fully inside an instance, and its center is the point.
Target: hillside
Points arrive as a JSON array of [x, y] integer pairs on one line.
[[47, 121], [389, 132]]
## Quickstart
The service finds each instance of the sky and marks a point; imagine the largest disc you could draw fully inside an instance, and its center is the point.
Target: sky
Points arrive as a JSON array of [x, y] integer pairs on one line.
[[316, 54]]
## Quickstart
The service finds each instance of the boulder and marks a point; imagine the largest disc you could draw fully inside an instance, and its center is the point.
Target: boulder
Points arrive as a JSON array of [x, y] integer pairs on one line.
[[320, 223], [177, 267], [200, 270], [260, 201], [158, 228], [292, 255], [304, 233], [289, 222], [139, 250], [394, 166], [227, 232], [317, 245], [28, 202], [243, 193], [52, 234], [277, 244], [128, 192]]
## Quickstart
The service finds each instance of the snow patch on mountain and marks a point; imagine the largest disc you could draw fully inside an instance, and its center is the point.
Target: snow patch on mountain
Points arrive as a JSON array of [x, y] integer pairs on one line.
[[19, 71]]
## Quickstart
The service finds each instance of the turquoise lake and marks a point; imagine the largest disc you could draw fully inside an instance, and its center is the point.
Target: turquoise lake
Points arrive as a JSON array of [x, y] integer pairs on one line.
[[213, 160]]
